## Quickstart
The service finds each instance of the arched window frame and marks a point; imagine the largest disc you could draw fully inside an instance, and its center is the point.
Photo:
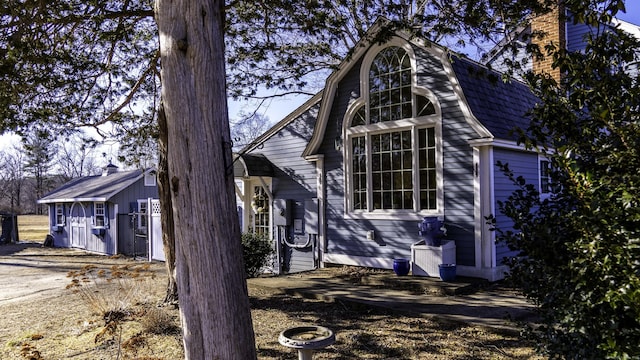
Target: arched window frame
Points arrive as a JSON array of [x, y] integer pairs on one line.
[[412, 124]]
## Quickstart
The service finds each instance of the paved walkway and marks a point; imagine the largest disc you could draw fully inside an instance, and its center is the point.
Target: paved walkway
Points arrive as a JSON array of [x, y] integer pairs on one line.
[[464, 300]]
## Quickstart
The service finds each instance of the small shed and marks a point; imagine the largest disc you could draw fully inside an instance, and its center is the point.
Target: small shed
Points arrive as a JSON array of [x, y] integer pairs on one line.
[[96, 213]]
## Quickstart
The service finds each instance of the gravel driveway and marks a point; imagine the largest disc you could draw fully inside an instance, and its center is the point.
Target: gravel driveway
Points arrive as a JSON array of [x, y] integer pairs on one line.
[[28, 270]]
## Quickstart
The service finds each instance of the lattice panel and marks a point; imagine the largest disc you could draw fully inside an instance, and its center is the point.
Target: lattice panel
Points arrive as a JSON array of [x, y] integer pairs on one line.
[[155, 207]]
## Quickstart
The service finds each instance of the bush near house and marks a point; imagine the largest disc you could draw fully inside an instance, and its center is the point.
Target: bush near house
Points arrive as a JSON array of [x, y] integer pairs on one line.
[[256, 250]]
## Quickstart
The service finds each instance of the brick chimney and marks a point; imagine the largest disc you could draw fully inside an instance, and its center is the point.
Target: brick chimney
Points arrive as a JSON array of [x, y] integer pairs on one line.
[[553, 24]]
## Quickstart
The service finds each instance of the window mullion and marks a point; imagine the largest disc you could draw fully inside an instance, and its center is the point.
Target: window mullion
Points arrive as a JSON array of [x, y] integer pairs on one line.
[[415, 171], [367, 142]]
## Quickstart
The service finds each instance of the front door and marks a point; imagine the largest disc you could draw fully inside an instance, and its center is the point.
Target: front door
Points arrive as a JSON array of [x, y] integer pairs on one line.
[[261, 216], [78, 226]]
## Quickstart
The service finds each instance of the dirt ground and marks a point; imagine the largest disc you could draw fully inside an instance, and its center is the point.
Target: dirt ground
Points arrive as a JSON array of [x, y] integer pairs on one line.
[[42, 319]]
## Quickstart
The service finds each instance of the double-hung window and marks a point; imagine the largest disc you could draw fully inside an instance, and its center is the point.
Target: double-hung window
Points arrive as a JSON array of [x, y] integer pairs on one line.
[[547, 184], [60, 219], [392, 131], [142, 214], [99, 214], [545, 177]]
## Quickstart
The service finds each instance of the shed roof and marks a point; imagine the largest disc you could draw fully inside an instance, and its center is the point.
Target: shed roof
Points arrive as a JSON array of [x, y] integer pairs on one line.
[[94, 188]]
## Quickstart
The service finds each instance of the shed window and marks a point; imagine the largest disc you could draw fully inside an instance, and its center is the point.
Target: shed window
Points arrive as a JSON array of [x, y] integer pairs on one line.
[[392, 158], [100, 214], [142, 214], [60, 218], [150, 179]]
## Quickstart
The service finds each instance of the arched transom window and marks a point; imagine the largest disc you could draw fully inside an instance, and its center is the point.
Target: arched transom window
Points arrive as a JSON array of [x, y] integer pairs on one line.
[[392, 131]]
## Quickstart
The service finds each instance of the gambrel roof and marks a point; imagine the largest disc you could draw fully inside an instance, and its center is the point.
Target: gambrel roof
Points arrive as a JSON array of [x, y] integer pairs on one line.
[[99, 188], [492, 107]]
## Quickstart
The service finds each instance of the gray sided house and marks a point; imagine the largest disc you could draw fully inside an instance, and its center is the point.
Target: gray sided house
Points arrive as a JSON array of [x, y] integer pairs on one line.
[[573, 35], [92, 212], [401, 131]]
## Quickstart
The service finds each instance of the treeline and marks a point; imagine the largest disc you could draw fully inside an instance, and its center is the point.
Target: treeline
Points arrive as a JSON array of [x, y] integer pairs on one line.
[[39, 164]]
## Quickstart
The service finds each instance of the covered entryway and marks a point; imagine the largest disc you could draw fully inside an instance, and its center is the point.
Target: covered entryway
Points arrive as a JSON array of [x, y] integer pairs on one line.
[[254, 181], [78, 226], [263, 211]]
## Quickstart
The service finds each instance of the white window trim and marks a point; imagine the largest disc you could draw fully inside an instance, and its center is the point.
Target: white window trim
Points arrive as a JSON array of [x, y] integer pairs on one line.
[[104, 215], [246, 198], [150, 179], [141, 215], [266, 186], [60, 206], [546, 195], [413, 124]]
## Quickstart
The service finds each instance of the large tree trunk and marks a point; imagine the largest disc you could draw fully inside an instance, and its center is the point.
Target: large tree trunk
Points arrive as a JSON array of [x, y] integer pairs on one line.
[[214, 304], [166, 212]]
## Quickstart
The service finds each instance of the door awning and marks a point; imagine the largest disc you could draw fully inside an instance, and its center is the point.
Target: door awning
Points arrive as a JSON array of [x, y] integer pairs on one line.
[[246, 165]]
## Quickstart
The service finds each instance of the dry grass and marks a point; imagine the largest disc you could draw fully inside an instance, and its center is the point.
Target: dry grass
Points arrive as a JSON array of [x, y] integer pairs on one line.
[[149, 332], [33, 227], [112, 291], [68, 325]]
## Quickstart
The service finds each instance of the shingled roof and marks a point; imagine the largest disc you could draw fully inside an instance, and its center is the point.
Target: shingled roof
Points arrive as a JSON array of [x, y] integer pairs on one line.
[[93, 188], [500, 106]]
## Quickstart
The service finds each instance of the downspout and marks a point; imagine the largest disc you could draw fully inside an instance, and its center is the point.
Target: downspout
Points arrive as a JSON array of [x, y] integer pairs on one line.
[[484, 199]]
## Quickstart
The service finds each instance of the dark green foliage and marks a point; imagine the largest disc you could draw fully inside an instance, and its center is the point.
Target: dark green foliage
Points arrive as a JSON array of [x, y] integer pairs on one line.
[[290, 46], [256, 250], [67, 64], [579, 249]]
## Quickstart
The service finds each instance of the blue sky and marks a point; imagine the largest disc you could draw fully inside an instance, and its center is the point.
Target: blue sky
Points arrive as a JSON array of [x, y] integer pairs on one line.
[[277, 109], [633, 12]]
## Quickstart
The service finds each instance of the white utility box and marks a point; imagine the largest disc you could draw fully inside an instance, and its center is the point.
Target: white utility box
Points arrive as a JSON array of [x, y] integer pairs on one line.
[[425, 258]]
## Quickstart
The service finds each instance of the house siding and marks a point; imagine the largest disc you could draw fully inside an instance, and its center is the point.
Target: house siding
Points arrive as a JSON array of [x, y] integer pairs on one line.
[[127, 243], [295, 179], [393, 238], [523, 164], [457, 160], [499, 61], [60, 238], [576, 35]]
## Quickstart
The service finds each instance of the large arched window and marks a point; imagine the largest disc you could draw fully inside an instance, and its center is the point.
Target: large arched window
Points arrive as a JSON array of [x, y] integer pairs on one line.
[[392, 133]]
